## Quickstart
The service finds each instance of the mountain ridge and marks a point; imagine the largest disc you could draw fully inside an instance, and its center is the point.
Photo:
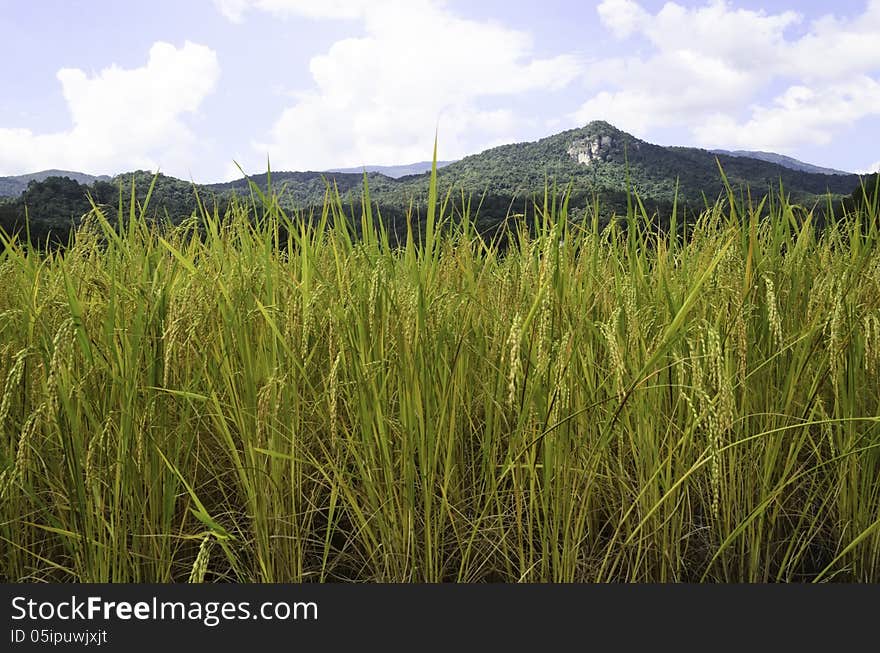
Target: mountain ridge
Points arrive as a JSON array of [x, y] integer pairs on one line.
[[596, 160], [394, 171], [600, 156], [582, 151], [783, 160]]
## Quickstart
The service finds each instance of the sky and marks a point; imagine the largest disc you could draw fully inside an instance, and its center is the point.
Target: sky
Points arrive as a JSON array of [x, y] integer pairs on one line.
[[203, 89]]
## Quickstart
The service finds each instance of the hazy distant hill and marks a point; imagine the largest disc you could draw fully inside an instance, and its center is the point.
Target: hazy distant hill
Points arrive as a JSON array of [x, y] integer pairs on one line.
[[782, 160], [395, 172], [16, 185]]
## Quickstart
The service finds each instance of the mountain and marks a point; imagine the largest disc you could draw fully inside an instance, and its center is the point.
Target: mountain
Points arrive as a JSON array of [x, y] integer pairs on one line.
[[596, 160], [16, 185], [600, 158], [782, 160], [395, 172], [305, 188]]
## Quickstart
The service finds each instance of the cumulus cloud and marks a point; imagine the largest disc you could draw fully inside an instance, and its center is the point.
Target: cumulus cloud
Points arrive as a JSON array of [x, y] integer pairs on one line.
[[801, 114], [378, 97], [121, 118], [711, 68]]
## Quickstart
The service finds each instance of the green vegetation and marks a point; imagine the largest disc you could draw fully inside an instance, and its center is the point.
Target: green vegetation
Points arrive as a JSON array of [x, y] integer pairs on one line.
[[512, 174], [60, 203], [865, 195], [275, 398], [16, 185], [48, 210], [596, 160], [619, 159]]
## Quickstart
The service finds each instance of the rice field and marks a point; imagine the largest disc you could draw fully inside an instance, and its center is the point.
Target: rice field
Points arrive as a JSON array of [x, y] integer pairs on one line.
[[239, 403]]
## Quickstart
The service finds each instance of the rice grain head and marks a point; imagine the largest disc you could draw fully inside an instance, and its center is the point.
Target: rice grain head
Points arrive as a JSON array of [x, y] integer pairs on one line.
[[13, 382], [333, 383], [200, 565], [513, 343], [16, 475], [835, 340], [609, 330], [773, 313]]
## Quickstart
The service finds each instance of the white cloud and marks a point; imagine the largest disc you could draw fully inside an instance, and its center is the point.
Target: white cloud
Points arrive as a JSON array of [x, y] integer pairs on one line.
[[379, 97], [711, 66], [623, 17], [234, 10], [122, 118], [799, 115], [871, 169]]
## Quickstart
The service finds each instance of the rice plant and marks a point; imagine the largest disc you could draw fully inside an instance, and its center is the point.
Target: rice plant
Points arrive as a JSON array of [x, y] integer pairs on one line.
[[263, 397]]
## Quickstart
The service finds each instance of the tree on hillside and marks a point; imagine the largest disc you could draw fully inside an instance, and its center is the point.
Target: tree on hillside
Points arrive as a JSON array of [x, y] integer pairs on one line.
[[867, 191]]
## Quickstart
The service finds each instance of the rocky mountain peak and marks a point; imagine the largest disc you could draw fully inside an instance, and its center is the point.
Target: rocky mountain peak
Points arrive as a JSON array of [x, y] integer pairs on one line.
[[600, 143]]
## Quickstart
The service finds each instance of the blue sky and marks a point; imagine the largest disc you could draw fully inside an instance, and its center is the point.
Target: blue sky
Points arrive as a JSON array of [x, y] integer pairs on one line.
[[192, 86]]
